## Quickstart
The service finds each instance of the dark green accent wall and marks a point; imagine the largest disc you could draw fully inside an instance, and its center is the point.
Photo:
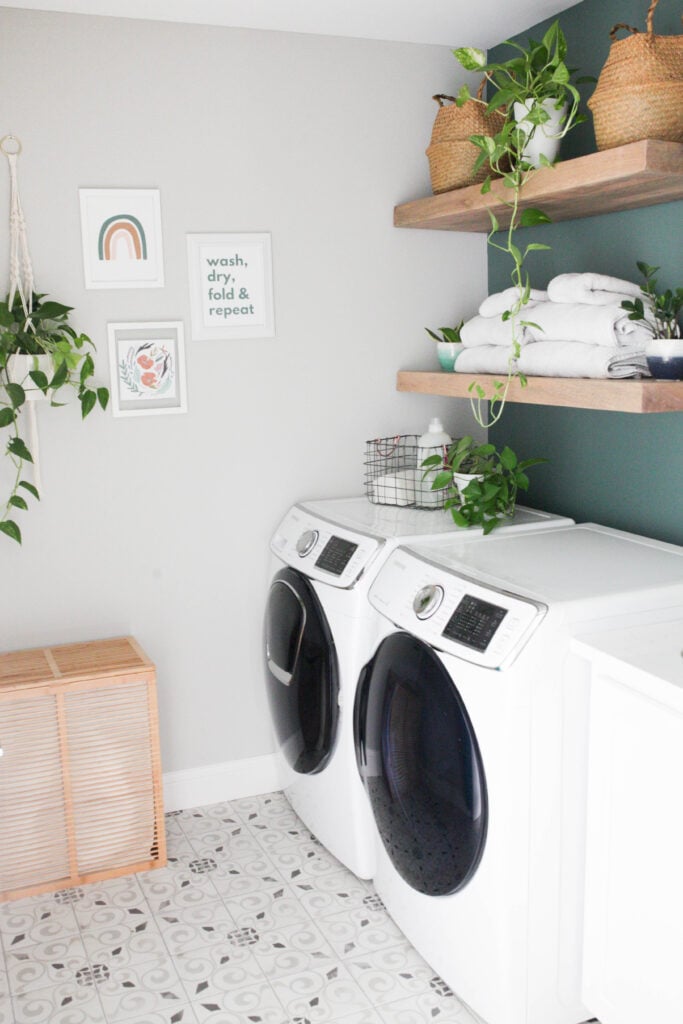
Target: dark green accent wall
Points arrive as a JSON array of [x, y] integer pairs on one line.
[[620, 469]]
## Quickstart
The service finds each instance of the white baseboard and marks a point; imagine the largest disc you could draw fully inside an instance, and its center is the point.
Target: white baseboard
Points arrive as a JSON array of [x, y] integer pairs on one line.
[[212, 783]]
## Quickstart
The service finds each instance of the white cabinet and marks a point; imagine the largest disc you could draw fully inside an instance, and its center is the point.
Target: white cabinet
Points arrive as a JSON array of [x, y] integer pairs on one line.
[[633, 937]]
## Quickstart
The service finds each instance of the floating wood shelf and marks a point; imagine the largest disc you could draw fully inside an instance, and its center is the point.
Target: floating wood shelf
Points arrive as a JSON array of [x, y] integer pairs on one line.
[[571, 392], [640, 174]]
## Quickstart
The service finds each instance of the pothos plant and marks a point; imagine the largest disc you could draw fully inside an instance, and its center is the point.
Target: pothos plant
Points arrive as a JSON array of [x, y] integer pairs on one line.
[[481, 482], [44, 331], [535, 73]]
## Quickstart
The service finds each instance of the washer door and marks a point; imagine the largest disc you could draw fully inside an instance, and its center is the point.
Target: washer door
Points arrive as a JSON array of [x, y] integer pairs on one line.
[[420, 763], [301, 672]]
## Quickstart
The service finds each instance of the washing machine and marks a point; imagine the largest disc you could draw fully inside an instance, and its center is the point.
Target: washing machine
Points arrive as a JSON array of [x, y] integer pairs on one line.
[[471, 734], [319, 631]]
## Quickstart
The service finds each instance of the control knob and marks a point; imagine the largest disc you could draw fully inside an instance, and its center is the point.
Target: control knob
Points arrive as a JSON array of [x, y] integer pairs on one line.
[[428, 600], [306, 542]]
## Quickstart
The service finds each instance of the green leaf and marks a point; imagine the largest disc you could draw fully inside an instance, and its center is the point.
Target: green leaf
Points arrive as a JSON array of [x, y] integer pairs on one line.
[[533, 216], [432, 460], [463, 96], [88, 401], [494, 221], [87, 368], [39, 379], [442, 480], [17, 502], [60, 376], [103, 397], [51, 311], [16, 394], [11, 529], [537, 247], [471, 58], [17, 447], [508, 458], [7, 416], [30, 488]]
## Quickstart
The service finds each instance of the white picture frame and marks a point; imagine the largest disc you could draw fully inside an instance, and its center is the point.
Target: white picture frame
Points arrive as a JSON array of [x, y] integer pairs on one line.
[[147, 365], [121, 237], [231, 286]]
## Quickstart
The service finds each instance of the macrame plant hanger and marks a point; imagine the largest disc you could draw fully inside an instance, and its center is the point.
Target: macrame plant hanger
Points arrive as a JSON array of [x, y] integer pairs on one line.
[[21, 276]]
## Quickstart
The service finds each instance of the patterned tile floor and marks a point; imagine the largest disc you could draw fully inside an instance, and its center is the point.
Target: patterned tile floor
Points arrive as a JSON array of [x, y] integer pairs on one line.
[[252, 922]]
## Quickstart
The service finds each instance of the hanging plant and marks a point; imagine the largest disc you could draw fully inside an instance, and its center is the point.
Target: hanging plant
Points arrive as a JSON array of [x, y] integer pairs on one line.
[[40, 354], [536, 78]]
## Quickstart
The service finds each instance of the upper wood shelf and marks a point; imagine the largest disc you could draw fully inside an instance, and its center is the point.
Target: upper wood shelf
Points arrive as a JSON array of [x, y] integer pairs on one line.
[[572, 392], [639, 174]]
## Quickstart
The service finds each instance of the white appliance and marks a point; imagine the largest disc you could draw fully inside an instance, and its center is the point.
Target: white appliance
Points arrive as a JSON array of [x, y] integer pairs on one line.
[[633, 929], [471, 732], [319, 632]]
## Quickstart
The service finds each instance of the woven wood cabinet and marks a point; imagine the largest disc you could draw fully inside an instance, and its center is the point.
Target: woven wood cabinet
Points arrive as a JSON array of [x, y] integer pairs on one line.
[[80, 772]]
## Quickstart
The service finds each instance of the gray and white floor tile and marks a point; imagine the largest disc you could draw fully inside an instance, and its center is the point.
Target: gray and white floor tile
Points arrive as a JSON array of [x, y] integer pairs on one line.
[[251, 922]]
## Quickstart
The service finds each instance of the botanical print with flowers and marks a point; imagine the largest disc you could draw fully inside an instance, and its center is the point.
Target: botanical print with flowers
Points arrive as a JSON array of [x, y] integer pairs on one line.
[[146, 369]]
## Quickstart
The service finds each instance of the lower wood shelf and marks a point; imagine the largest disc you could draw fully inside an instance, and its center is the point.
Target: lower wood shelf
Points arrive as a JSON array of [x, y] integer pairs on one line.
[[571, 392]]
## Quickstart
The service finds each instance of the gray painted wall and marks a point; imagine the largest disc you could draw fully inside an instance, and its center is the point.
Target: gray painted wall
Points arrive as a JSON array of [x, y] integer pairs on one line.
[[622, 470], [159, 526]]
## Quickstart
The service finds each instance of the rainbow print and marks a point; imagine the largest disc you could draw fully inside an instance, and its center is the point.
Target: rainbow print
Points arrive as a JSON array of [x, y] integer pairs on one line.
[[122, 237]]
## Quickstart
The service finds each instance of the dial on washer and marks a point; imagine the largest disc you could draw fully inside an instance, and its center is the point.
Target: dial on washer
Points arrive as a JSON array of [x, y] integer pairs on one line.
[[306, 542], [428, 600]]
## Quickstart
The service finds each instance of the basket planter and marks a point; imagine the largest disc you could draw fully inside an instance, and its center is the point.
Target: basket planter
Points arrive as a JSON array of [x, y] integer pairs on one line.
[[450, 153], [545, 140], [639, 94]]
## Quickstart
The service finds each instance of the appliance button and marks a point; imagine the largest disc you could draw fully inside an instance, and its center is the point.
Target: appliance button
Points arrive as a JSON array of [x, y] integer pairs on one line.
[[306, 542], [427, 600]]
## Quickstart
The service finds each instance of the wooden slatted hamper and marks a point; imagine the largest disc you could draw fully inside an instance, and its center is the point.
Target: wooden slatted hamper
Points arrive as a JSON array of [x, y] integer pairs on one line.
[[80, 772]]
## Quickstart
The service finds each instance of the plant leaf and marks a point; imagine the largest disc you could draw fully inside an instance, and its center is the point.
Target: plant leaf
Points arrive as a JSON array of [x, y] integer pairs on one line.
[[17, 501], [16, 394], [17, 447], [532, 216], [7, 416], [471, 58], [11, 529], [88, 401], [30, 488], [103, 397]]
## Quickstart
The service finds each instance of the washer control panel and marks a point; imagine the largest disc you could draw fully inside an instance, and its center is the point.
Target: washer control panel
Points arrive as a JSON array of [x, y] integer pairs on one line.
[[322, 550], [452, 612]]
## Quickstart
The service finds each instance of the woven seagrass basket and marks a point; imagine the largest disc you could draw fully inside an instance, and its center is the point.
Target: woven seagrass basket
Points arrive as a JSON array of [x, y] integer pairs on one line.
[[451, 155], [639, 94]]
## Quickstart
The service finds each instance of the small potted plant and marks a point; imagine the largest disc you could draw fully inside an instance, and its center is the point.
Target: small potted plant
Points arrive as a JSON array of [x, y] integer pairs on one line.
[[660, 312], [482, 482], [448, 344], [40, 353], [536, 84]]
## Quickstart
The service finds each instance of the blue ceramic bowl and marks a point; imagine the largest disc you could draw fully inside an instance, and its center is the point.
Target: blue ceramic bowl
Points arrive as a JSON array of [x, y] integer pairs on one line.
[[665, 359]]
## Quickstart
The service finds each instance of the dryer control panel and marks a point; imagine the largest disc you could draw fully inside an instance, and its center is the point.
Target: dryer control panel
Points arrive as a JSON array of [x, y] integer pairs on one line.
[[452, 612], [322, 550]]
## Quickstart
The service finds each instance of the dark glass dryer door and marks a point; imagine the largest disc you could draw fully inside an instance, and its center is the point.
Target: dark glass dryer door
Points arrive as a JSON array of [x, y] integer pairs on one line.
[[420, 763], [301, 672]]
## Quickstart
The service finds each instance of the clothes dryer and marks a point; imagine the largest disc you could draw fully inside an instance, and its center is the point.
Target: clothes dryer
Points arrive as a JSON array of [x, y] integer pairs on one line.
[[471, 725], [319, 631]]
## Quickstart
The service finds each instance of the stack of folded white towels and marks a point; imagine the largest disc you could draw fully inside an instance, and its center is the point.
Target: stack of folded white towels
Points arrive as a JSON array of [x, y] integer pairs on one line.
[[577, 329]]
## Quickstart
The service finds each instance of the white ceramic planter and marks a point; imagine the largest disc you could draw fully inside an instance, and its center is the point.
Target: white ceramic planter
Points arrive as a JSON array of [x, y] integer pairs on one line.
[[461, 480], [18, 368], [447, 353], [545, 140], [665, 358]]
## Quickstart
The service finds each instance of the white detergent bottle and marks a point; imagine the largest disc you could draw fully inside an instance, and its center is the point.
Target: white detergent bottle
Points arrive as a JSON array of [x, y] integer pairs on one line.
[[432, 442]]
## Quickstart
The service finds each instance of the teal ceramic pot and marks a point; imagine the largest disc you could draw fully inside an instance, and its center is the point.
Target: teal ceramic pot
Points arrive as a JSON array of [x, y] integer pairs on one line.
[[665, 358], [447, 353]]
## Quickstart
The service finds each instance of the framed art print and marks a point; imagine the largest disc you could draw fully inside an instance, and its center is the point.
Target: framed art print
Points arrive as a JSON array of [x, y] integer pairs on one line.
[[121, 234], [147, 363], [231, 286]]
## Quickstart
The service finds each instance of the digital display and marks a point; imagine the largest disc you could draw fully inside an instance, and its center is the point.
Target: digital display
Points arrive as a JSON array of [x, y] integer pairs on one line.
[[474, 623], [336, 555]]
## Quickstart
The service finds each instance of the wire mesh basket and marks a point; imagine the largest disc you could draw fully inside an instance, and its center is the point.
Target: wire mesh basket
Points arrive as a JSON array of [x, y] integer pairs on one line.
[[393, 474]]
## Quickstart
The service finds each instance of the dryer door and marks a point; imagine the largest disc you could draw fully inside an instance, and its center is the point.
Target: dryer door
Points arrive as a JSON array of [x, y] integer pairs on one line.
[[301, 672], [420, 763]]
